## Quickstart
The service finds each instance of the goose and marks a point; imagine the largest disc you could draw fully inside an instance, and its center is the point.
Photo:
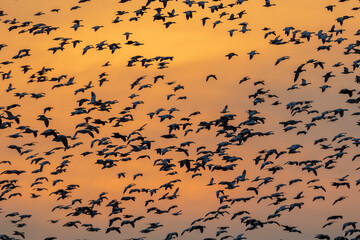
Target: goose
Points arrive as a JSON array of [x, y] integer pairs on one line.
[[281, 59], [252, 54]]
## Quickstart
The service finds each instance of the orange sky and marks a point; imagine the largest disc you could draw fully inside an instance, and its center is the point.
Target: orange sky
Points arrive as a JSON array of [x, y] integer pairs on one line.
[[197, 52]]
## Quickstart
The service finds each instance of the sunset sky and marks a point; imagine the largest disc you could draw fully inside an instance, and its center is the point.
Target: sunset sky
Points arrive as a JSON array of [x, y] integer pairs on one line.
[[181, 58]]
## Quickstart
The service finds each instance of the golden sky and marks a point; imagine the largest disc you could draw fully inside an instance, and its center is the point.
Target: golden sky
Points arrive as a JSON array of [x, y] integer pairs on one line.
[[190, 52]]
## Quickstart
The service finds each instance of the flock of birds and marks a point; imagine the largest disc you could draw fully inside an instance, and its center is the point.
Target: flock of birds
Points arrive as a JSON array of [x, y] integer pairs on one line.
[[175, 154]]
